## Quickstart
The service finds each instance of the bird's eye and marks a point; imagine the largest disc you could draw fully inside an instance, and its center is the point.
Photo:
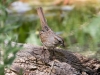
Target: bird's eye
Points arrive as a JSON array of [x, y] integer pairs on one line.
[[60, 41]]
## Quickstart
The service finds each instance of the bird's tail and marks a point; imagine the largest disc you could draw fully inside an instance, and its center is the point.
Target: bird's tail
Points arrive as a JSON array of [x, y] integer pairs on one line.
[[41, 16]]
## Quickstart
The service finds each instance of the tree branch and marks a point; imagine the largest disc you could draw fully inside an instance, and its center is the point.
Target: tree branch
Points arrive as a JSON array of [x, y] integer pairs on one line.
[[32, 60]]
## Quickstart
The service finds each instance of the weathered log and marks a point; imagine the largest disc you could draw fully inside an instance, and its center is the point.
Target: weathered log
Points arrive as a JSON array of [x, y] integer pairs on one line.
[[33, 60]]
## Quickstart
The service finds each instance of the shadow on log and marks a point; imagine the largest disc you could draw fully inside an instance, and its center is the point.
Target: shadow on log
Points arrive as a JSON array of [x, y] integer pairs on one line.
[[32, 60]]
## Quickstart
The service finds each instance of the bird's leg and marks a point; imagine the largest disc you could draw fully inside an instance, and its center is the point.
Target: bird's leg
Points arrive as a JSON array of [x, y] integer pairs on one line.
[[44, 49], [43, 53], [53, 53]]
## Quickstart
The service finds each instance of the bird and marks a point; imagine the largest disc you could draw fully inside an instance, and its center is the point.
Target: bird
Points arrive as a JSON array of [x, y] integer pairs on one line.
[[49, 38]]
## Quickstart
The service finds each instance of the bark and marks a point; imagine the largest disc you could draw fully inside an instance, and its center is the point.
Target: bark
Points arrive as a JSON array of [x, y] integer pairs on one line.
[[33, 60]]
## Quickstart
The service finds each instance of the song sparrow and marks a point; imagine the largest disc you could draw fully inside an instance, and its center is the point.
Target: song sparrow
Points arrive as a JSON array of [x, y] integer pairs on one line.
[[48, 38]]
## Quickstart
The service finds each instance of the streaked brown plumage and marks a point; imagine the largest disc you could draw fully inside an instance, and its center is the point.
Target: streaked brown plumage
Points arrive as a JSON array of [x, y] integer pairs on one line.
[[49, 39]]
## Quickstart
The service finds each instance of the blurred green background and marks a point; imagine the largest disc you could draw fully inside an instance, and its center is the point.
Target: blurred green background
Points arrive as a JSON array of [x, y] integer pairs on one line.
[[77, 22]]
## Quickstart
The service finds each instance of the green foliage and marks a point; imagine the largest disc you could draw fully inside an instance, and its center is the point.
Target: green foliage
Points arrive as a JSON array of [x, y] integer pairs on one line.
[[93, 29], [75, 20], [7, 52]]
